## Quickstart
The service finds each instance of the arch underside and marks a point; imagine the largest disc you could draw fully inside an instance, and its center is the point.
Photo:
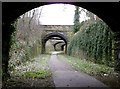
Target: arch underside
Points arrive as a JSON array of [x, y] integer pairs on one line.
[[99, 9], [60, 42], [49, 36], [108, 12]]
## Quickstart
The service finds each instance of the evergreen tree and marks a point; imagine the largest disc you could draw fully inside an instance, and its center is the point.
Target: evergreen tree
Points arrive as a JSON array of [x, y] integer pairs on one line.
[[76, 20]]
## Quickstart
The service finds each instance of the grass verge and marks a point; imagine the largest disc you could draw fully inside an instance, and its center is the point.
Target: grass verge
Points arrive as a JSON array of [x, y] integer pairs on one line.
[[103, 73], [38, 64], [32, 74], [40, 74]]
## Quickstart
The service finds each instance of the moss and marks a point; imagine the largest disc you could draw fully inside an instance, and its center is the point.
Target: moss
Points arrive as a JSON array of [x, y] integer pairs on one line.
[[41, 74]]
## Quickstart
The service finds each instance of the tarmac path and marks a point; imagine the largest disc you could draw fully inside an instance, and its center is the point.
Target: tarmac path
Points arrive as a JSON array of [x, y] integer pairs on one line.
[[65, 76]]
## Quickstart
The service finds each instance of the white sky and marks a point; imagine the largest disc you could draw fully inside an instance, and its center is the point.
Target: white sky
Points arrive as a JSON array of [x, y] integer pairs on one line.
[[59, 14]]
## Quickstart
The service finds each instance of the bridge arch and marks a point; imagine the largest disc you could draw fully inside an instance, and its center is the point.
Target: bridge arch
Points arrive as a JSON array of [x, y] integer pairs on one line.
[[62, 46], [46, 37], [60, 42], [107, 13]]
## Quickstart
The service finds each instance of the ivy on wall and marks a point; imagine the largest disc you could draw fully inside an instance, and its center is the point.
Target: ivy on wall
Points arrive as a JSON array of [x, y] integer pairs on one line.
[[96, 41]]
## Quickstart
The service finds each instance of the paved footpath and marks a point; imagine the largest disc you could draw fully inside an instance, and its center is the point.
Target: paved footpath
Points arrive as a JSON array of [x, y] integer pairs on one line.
[[65, 76]]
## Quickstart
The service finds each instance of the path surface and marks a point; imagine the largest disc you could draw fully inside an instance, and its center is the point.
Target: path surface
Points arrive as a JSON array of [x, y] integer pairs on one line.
[[65, 76]]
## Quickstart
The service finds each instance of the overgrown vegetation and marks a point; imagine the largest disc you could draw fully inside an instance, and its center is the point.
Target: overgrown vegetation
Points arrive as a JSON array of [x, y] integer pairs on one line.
[[87, 66], [40, 74], [34, 73], [95, 40], [37, 64], [26, 39]]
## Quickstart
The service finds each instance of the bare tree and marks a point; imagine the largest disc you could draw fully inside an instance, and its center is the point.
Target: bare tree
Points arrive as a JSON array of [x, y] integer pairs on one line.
[[33, 14], [39, 15]]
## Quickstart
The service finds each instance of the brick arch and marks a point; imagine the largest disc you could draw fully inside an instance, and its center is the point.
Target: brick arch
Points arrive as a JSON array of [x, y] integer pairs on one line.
[[53, 34]]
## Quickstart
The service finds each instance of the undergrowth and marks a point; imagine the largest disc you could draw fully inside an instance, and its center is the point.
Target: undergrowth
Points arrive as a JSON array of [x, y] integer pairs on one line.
[[88, 66]]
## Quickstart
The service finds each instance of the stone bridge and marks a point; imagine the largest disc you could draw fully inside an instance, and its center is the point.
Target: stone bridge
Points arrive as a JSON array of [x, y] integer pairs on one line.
[[107, 13], [58, 34]]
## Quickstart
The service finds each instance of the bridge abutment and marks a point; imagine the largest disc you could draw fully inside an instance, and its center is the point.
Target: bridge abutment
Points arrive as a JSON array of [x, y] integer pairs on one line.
[[7, 30], [117, 51], [43, 47]]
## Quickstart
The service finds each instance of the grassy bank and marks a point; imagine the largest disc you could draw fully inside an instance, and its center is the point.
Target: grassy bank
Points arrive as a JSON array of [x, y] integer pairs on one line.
[[35, 73], [103, 73]]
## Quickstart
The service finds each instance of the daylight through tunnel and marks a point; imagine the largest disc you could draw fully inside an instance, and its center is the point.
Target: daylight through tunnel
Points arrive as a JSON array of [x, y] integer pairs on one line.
[[59, 43], [58, 38]]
